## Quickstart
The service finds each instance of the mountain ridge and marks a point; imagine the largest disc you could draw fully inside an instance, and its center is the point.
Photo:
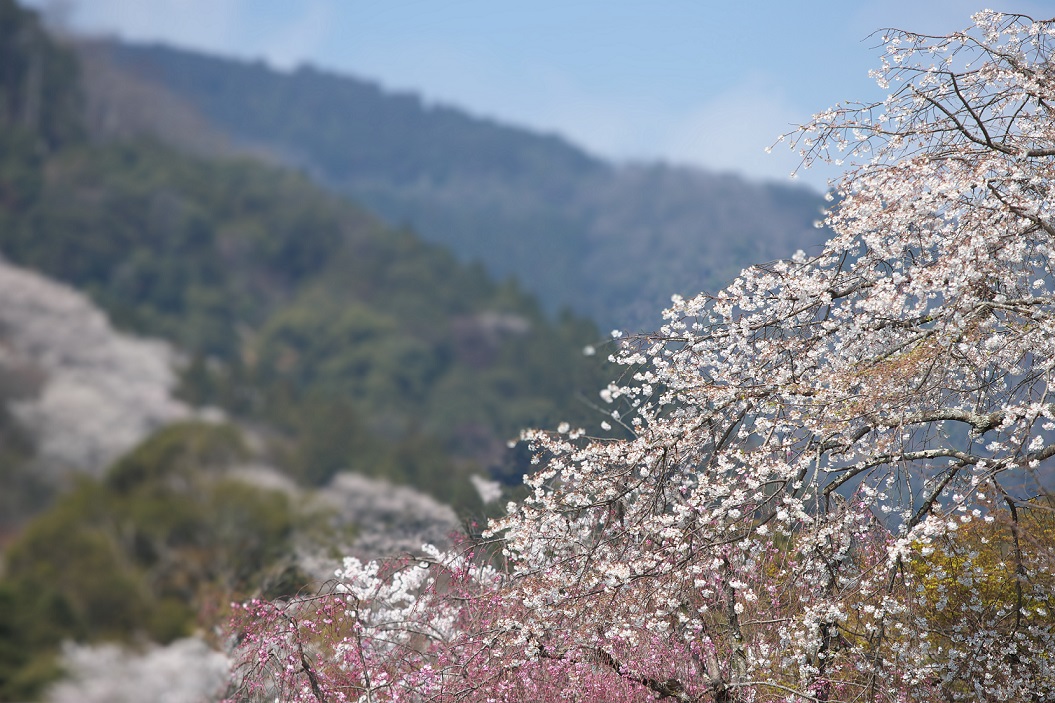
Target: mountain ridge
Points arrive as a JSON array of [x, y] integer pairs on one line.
[[611, 241]]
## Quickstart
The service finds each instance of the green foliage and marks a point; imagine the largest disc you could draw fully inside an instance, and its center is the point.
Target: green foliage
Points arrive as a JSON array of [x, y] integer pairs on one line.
[[348, 344], [21, 177], [423, 462], [298, 309], [288, 297], [612, 241], [70, 559], [25, 666], [148, 551], [179, 247], [392, 394], [39, 93], [332, 438], [353, 345], [24, 491], [176, 453], [377, 131], [39, 107]]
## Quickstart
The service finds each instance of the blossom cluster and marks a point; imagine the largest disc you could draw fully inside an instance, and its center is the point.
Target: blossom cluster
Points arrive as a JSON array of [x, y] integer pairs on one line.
[[833, 478]]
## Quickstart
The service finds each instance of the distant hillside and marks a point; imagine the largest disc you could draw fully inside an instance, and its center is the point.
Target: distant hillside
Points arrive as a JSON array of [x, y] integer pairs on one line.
[[613, 242], [331, 341], [350, 343]]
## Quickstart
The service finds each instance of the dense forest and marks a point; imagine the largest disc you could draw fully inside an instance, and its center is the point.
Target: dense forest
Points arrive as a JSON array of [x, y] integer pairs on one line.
[[330, 340], [279, 291], [610, 241]]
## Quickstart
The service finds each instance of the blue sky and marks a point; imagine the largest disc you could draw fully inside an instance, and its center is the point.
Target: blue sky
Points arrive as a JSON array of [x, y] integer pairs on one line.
[[687, 81]]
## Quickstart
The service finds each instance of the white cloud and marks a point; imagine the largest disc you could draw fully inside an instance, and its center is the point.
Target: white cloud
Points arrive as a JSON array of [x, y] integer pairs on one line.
[[217, 26], [202, 24], [296, 42], [731, 131]]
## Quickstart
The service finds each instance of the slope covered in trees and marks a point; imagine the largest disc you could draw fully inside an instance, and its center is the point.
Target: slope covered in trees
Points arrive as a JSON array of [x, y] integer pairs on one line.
[[613, 242], [332, 341], [288, 298], [359, 344], [839, 480]]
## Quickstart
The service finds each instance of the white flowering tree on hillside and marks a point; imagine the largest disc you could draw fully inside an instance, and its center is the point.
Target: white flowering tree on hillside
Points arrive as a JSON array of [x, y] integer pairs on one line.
[[835, 481]]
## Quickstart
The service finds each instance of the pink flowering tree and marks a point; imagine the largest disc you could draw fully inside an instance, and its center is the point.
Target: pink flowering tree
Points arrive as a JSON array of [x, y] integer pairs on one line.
[[834, 480]]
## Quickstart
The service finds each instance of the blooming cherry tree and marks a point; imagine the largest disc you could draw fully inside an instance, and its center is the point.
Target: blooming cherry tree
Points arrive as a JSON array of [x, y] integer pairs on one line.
[[834, 480]]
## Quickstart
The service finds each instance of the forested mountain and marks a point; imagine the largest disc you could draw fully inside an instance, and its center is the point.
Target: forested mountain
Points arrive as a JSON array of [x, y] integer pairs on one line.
[[325, 339], [613, 242], [329, 340], [287, 299], [360, 344]]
